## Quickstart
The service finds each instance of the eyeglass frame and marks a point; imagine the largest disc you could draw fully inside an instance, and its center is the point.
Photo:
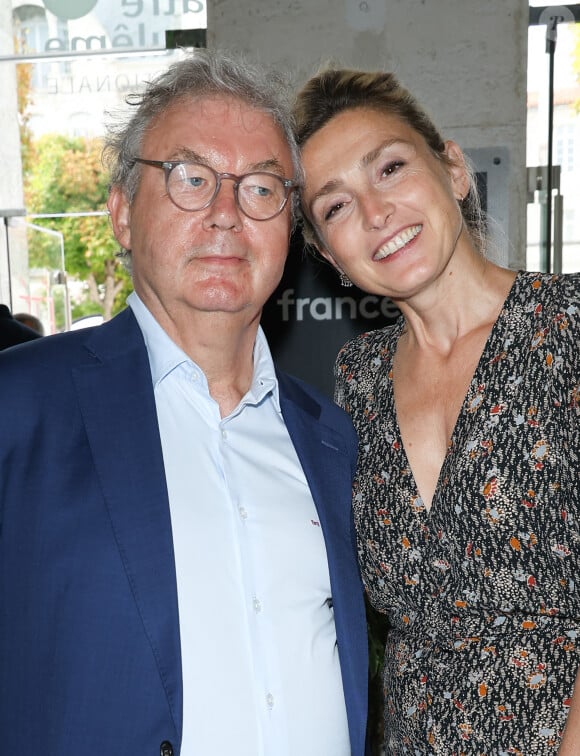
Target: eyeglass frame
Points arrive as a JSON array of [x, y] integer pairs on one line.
[[168, 165]]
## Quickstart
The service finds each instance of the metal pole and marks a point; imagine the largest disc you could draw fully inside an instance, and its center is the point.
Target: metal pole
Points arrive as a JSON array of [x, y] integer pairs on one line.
[[551, 34], [8, 268], [6, 215], [552, 15], [558, 233]]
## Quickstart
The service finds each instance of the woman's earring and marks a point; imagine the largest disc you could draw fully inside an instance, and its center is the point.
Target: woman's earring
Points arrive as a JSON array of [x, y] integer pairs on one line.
[[345, 280]]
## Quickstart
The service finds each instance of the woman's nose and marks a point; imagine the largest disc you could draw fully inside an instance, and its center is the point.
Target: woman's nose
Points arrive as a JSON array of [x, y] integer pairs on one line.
[[377, 207]]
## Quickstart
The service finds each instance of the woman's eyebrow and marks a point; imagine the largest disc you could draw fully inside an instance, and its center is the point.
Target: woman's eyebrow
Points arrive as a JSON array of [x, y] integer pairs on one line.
[[331, 186], [371, 156]]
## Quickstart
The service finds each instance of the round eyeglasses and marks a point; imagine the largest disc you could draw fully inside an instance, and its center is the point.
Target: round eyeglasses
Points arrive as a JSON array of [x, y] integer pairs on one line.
[[194, 186]]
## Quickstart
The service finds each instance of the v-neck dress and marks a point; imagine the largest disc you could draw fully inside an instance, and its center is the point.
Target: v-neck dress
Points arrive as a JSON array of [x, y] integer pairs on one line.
[[482, 591]]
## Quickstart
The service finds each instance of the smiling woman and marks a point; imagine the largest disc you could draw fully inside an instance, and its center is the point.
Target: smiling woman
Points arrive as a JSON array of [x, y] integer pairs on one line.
[[386, 181], [467, 413], [351, 91]]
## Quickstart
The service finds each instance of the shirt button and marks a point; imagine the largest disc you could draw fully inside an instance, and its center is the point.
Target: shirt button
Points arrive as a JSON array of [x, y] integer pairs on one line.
[[270, 701], [243, 513], [194, 377], [224, 435], [257, 605]]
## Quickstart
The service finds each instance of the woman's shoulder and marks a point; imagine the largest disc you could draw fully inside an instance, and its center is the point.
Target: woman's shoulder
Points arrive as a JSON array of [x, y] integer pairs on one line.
[[551, 307], [545, 300], [560, 290], [371, 346], [360, 361]]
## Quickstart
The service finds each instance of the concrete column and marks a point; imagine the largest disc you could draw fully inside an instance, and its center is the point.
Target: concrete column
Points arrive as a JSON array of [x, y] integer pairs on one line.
[[11, 197]]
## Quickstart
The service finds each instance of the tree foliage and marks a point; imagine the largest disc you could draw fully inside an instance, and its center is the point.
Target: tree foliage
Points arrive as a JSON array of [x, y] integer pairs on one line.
[[24, 96], [66, 176]]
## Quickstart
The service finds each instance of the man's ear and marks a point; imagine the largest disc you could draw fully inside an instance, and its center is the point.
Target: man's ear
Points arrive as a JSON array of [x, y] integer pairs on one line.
[[120, 212], [457, 169]]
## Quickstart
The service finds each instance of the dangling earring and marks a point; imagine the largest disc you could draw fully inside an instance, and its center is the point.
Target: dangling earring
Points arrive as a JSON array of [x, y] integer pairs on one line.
[[344, 280]]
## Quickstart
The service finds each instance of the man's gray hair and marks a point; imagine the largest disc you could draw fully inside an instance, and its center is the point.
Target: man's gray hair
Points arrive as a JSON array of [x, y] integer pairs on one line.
[[202, 73]]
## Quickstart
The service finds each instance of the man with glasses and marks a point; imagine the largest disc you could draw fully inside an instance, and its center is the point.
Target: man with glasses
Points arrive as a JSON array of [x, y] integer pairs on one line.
[[177, 562]]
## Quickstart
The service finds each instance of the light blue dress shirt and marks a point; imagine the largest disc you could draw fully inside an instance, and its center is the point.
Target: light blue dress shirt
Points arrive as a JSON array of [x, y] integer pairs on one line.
[[261, 673]]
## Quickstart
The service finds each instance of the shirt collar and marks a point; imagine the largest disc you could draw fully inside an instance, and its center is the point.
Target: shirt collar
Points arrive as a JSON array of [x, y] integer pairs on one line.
[[264, 380], [165, 356]]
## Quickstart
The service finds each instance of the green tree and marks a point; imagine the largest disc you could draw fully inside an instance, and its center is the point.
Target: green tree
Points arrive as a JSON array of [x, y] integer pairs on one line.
[[24, 94], [66, 176]]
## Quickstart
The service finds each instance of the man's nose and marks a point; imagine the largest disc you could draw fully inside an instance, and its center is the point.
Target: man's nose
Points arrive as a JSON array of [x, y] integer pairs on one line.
[[224, 211]]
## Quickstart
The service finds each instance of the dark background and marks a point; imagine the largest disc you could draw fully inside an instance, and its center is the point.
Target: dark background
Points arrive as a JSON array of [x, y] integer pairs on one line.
[[307, 342]]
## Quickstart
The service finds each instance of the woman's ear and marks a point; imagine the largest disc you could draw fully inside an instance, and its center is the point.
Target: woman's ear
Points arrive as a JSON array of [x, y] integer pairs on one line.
[[457, 169], [324, 253]]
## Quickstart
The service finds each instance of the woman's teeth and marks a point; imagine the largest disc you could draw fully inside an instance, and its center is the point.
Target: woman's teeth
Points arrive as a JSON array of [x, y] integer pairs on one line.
[[397, 242]]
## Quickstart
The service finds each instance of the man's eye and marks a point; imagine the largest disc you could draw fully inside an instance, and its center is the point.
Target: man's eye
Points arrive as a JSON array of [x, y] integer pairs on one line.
[[195, 181], [261, 191]]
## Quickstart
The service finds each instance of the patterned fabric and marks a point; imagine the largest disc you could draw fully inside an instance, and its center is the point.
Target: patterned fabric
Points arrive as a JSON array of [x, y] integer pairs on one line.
[[481, 591]]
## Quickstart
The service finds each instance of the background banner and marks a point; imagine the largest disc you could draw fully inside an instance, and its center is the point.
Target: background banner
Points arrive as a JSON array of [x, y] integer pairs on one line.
[[310, 316]]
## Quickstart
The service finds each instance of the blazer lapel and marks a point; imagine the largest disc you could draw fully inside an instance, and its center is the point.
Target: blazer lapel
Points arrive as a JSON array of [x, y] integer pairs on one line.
[[327, 465], [324, 459], [118, 407]]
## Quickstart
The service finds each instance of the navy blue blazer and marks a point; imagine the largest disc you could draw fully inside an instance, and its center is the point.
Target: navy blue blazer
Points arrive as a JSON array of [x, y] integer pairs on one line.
[[89, 631]]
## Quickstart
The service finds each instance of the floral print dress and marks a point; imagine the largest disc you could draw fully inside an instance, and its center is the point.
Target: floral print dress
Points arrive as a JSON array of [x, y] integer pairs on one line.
[[482, 591]]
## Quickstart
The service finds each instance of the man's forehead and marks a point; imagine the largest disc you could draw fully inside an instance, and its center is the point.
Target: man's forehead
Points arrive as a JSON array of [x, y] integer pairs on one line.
[[221, 107], [211, 123]]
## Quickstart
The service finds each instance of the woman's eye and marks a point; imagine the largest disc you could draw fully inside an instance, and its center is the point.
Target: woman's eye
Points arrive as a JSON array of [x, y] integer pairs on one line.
[[391, 167], [333, 210], [330, 208]]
